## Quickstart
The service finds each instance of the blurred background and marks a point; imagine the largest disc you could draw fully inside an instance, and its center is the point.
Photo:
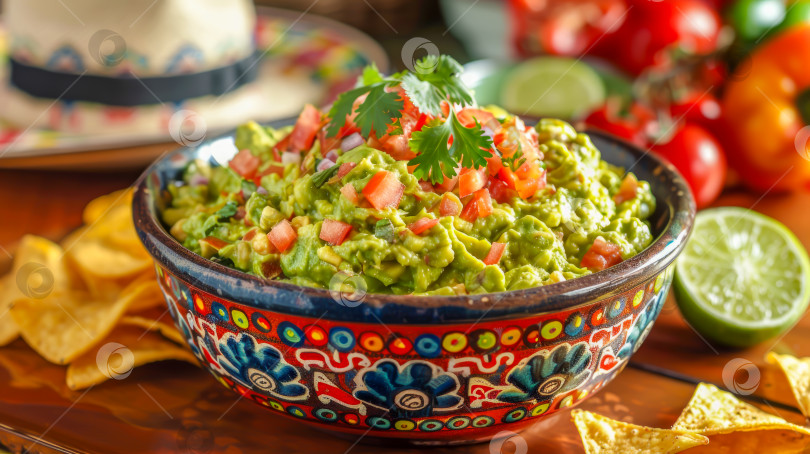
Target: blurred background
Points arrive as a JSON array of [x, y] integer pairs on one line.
[[717, 87]]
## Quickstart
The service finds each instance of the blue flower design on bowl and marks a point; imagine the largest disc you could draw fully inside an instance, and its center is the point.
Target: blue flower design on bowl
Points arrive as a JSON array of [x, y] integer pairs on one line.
[[548, 373], [414, 389], [642, 326], [260, 367]]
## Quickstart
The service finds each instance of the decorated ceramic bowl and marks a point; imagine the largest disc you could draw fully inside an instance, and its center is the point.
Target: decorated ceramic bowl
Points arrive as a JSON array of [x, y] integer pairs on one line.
[[421, 369]]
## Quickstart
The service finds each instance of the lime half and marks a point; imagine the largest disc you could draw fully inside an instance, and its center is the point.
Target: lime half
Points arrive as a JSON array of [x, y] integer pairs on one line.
[[552, 87], [742, 278]]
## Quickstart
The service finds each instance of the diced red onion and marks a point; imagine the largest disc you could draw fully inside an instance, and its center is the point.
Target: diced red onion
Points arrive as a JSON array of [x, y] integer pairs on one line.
[[288, 157], [332, 155], [325, 164], [351, 142], [198, 180], [261, 190], [488, 132]]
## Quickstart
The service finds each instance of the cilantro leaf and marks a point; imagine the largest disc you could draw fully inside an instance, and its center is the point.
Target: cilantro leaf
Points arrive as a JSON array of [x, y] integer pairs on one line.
[[371, 75], [436, 160], [378, 110], [435, 79], [342, 108], [431, 145], [227, 211], [320, 178]]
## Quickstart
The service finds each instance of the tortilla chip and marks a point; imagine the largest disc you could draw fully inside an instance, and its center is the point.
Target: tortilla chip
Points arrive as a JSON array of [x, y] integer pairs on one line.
[[797, 371], [96, 258], [63, 326], [9, 331], [167, 330], [122, 350], [735, 426], [37, 271], [100, 206], [602, 435]]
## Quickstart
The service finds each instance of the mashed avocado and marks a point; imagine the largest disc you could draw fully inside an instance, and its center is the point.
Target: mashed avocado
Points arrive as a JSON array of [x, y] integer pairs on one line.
[[583, 207]]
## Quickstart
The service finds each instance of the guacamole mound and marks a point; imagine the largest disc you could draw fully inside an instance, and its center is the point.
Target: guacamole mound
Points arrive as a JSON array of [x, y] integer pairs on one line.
[[586, 207]]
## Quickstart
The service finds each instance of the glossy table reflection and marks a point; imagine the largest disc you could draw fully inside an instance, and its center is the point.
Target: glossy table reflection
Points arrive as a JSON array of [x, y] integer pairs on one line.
[[173, 407]]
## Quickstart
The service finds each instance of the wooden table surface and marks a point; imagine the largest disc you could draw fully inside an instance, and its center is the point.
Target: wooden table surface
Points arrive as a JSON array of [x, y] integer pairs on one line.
[[118, 416]]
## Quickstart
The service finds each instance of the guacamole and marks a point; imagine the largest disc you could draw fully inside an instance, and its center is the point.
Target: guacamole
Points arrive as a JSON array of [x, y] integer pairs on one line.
[[304, 215], [406, 187]]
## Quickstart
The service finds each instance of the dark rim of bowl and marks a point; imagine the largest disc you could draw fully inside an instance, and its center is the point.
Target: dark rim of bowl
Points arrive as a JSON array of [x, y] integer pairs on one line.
[[277, 296]]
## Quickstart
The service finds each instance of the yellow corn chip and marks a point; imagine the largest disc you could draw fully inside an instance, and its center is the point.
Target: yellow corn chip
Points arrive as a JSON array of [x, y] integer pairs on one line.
[[797, 371], [602, 435], [98, 259], [735, 426], [8, 327], [122, 350], [100, 206], [167, 330], [63, 326], [38, 270]]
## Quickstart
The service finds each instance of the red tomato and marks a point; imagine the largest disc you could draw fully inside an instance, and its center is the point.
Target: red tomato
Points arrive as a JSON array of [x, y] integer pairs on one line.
[[601, 255], [508, 177], [699, 157], [627, 190], [215, 242], [384, 190], [350, 193], [449, 206], [245, 164], [334, 232], [501, 192], [701, 109], [447, 185], [528, 187], [632, 126], [654, 28], [469, 115], [282, 236], [345, 168], [495, 253], [423, 225], [479, 206], [470, 180], [305, 129]]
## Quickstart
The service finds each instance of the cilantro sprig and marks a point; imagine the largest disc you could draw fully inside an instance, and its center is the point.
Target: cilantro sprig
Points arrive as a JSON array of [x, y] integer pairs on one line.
[[441, 145]]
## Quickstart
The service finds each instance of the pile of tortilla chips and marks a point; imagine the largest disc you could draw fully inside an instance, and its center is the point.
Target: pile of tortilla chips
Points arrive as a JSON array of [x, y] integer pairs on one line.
[[714, 421], [91, 303]]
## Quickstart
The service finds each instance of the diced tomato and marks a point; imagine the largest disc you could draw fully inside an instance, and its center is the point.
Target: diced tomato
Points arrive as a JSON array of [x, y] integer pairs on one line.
[[508, 177], [447, 185], [384, 190], [426, 186], [484, 203], [479, 206], [249, 235], [397, 146], [627, 190], [350, 193], [240, 213], [495, 253], [526, 188], [601, 255], [278, 170], [449, 206], [420, 123], [282, 236], [468, 116], [305, 129], [345, 168], [501, 192], [328, 143], [470, 180], [334, 232], [494, 164], [245, 163], [215, 242], [422, 225]]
